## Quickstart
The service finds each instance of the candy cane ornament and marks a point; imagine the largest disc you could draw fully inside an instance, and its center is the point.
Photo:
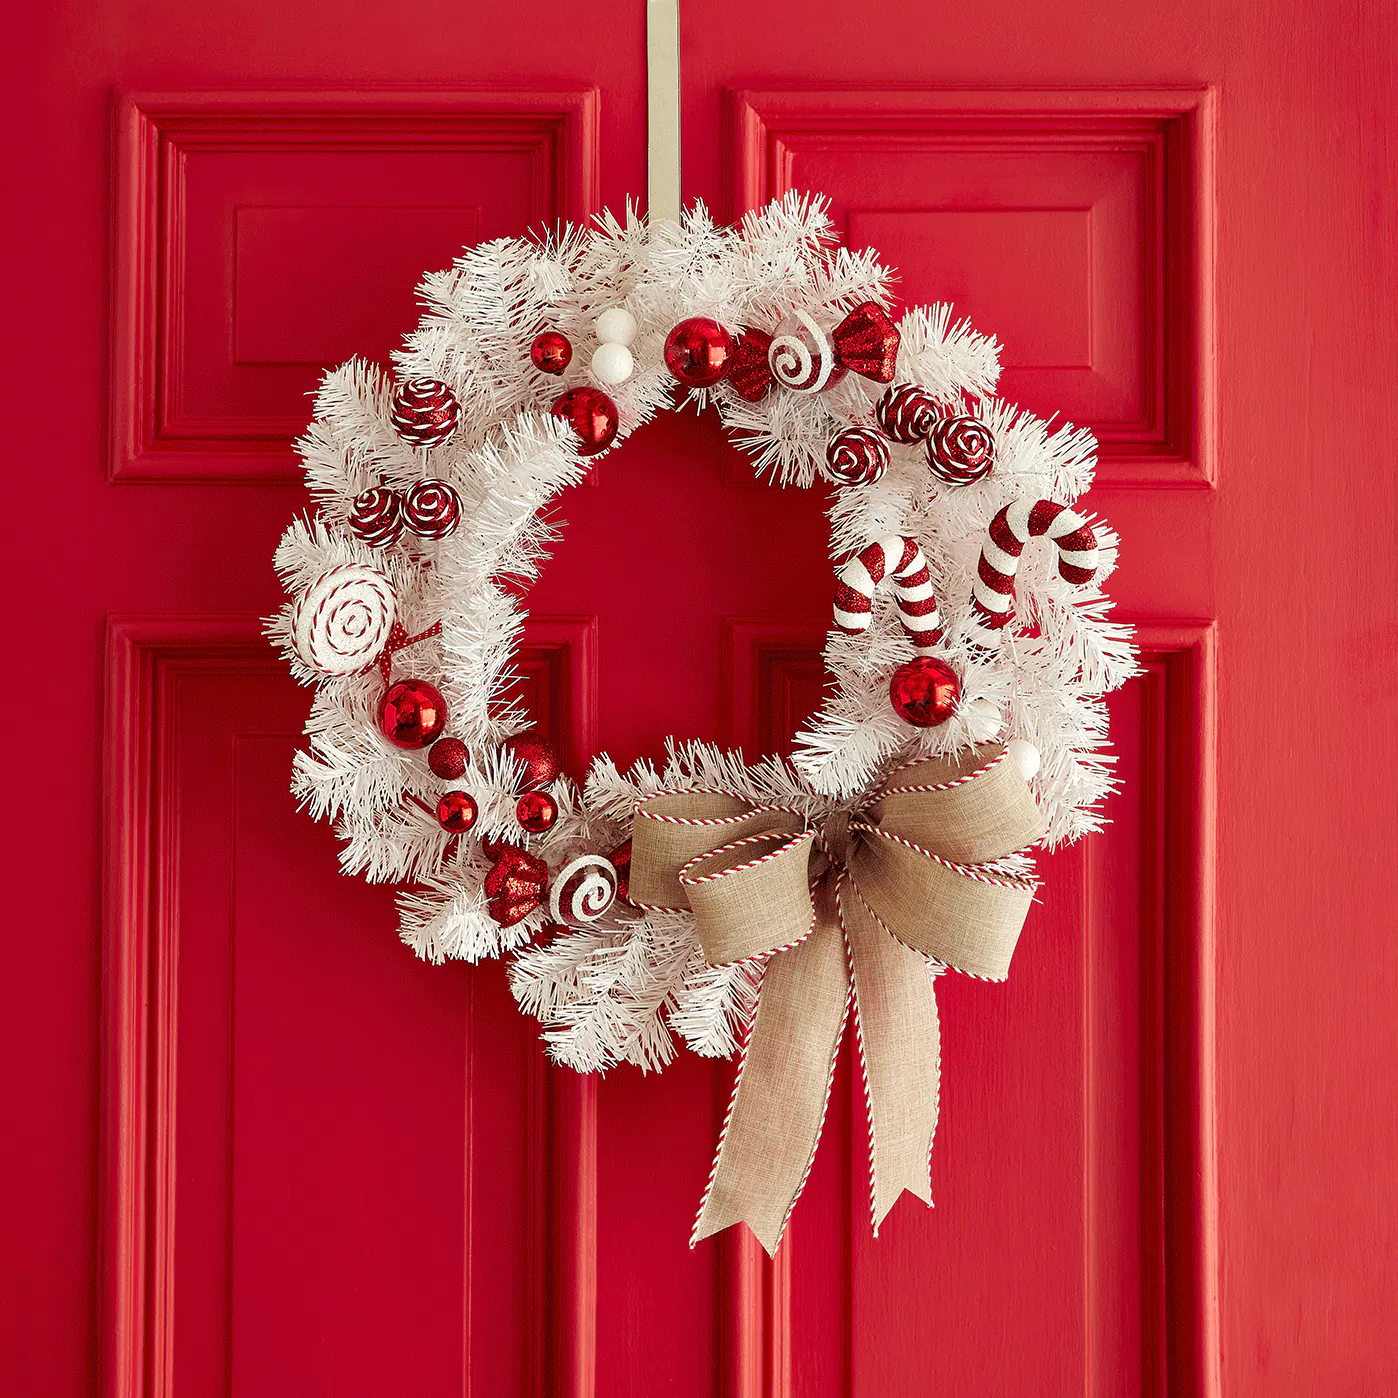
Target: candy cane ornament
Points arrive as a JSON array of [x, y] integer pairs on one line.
[[901, 560], [993, 592]]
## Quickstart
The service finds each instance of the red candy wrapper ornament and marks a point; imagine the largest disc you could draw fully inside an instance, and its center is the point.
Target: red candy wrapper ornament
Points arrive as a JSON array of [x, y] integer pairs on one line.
[[856, 456], [456, 811], [960, 450], [747, 368], [592, 416], [431, 509], [866, 343], [515, 885], [697, 352], [425, 412], [925, 691], [447, 759], [621, 862], [412, 714], [536, 811], [539, 759], [377, 516], [551, 353]]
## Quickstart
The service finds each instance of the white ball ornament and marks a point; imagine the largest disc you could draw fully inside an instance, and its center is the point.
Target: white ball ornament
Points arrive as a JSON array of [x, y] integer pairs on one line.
[[982, 719], [617, 326], [612, 363], [1025, 756]]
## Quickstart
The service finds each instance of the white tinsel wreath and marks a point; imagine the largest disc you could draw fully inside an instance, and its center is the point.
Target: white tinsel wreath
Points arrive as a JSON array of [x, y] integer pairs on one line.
[[619, 985]]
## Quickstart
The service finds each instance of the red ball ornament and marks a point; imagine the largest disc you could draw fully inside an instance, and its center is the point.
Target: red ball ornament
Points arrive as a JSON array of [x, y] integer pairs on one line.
[[924, 692], [960, 450], [906, 412], [536, 811], [539, 759], [592, 416], [447, 758], [432, 509], [456, 811], [412, 714], [856, 456], [697, 352], [425, 412], [551, 352], [377, 516]]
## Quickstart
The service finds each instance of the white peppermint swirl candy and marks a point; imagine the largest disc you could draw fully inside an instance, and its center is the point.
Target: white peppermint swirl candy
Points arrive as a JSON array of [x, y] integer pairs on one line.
[[583, 890], [800, 355], [342, 621]]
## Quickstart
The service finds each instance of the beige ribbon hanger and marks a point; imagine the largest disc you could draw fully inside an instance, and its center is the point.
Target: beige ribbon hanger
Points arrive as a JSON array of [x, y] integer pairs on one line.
[[663, 109]]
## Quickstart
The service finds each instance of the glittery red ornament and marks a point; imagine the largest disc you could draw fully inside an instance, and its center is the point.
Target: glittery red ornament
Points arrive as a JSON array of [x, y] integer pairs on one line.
[[377, 516], [621, 862], [431, 509], [697, 352], [412, 714], [456, 811], [866, 343], [493, 846], [906, 412], [960, 450], [425, 412], [748, 370], [447, 759], [515, 885], [592, 415], [856, 456], [539, 759], [536, 811], [924, 692], [551, 352]]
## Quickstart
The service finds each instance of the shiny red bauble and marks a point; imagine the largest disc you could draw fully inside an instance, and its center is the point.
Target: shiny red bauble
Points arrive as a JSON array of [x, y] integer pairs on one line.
[[447, 758], [536, 811], [539, 759], [697, 352], [412, 714], [592, 416], [456, 811], [551, 352], [925, 691]]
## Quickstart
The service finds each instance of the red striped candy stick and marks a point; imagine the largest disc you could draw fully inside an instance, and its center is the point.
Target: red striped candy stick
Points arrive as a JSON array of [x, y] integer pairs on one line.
[[900, 559], [993, 592]]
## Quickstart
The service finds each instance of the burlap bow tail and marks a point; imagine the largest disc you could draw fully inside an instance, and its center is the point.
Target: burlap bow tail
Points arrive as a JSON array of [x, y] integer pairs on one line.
[[848, 910]]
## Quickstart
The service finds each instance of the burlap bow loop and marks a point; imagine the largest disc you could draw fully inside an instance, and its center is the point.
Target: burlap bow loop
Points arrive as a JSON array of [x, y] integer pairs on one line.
[[845, 905]]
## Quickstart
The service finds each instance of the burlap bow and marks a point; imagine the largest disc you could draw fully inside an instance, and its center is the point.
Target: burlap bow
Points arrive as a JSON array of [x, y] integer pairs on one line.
[[849, 909]]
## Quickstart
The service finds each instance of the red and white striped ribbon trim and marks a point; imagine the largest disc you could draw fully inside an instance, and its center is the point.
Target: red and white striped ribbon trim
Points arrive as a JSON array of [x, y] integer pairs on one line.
[[901, 560], [993, 592]]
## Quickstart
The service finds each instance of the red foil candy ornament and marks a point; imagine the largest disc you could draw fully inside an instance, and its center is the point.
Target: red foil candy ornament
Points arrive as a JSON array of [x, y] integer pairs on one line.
[[924, 691], [551, 352], [456, 811], [412, 714], [856, 456], [960, 450], [906, 413], [592, 416], [536, 811], [515, 885], [447, 759], [432, 509], [377, 516], [697, 352], [425, 412], [539, 759], [621, 862], [747, 368], [866, 343]]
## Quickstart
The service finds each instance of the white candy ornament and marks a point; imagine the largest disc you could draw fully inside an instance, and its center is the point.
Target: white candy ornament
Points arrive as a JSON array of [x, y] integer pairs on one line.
[[583, 890], [801, 356], [612, 363], [342, 621], [617, 326]]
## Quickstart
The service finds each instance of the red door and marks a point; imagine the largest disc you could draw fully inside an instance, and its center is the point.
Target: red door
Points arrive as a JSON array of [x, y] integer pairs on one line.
[[256, 1147]]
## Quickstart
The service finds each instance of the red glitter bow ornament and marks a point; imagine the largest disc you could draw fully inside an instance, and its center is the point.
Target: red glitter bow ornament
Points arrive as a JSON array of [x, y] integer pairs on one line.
[[865, 342], [398, 638], [515, 885]]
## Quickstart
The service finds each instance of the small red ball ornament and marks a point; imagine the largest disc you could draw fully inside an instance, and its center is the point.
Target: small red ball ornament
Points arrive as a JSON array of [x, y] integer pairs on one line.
[[377, 516], [551, 353], [960, 450], [447, 758], [456, 811], [431, 509], [856, 456], [592, 416], [697, 352], [924, 692], [412, 714], [425, 412], [536, 811], [539, 759], [906, 413]]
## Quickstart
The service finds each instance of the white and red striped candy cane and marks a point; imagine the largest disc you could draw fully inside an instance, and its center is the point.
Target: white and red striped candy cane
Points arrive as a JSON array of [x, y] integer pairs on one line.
[[900, 559], [993, 592]]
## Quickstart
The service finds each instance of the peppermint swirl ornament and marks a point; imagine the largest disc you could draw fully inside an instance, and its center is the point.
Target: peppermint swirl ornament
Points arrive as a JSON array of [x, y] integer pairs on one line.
[[432, 509], [377, 516], [801, 356], [906, 413], [583, 890], [856, 456], [960, 450], [342, 621], [425, 412]]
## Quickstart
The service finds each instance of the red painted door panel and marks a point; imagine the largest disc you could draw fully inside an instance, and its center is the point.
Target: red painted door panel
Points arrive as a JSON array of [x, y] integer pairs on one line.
[[258, 1148]]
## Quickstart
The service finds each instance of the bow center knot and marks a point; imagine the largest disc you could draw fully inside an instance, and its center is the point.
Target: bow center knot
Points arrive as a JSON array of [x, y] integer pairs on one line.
[[834, 836]]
